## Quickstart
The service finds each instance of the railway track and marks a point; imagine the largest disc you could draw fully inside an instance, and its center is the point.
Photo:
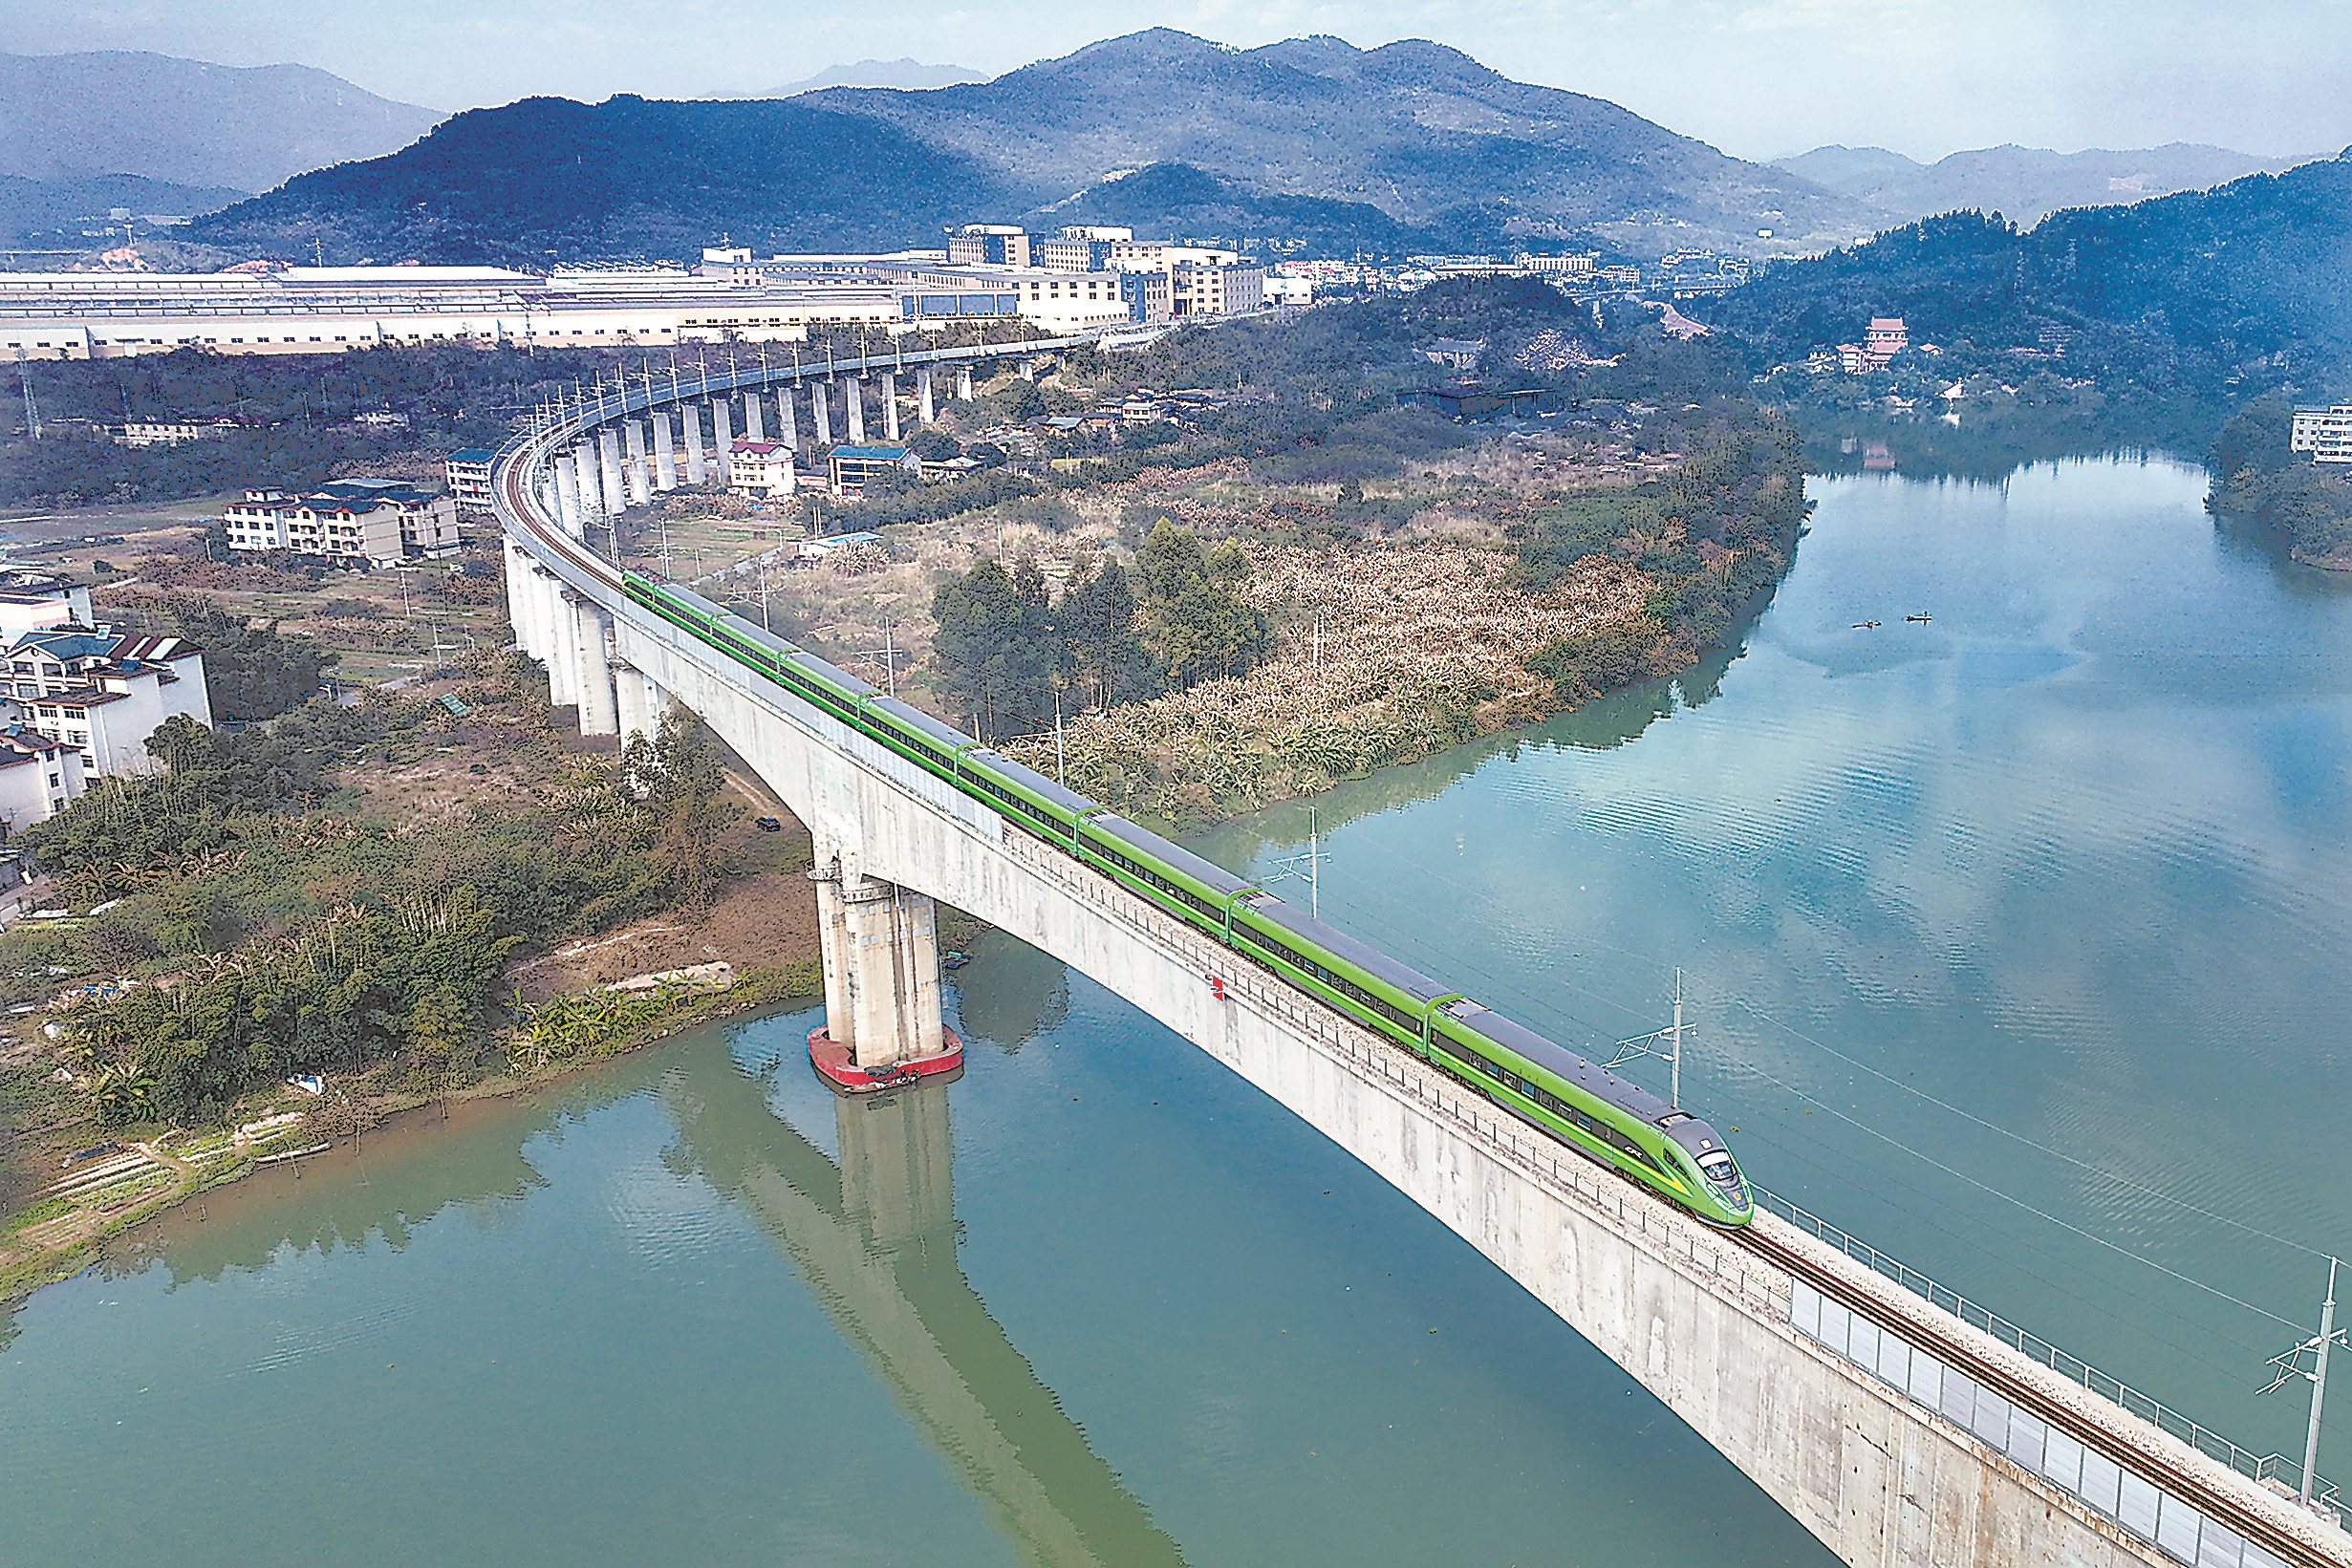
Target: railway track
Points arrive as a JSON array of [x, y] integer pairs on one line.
[[2149, 1462]]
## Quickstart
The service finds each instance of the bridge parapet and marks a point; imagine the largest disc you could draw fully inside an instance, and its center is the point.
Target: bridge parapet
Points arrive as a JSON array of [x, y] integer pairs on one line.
[[1737, 1334]]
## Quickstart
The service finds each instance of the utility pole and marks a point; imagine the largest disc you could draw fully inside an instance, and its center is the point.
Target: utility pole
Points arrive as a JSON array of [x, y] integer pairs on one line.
[[1307, 864], [1061, 759], [887, 654], [1640, 1046], [2290, 1365]]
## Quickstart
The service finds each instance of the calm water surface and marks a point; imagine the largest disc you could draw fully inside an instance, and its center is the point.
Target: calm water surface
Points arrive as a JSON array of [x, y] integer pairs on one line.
[[2070, 859]]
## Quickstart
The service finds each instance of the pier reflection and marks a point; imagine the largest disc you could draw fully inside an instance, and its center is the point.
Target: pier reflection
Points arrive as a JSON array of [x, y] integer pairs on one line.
[[874, 1237]]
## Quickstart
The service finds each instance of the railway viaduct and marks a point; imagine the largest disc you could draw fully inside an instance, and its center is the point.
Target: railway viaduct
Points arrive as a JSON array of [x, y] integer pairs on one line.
[[1896, 1431]]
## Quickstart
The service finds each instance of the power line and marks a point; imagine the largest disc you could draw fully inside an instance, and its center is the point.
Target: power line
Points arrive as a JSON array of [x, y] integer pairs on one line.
[[1750, 1007], [1929, 1159]]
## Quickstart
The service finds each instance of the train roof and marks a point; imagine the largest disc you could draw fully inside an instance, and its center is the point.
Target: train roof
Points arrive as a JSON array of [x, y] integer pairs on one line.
[[915, 719], [1364, 956], [1208, 874], [1032, 781], [1596, 1080], [833, 674]]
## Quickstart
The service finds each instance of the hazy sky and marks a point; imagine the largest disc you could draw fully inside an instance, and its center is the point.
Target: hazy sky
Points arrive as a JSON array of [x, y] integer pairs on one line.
[[1759, 79]]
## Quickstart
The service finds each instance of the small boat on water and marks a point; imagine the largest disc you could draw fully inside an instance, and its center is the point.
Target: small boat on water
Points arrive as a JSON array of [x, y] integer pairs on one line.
[[1923, 617], [1865, 625]]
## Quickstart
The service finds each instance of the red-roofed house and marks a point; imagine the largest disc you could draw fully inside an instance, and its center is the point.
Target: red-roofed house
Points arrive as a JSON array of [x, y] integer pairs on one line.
[[102, 694]]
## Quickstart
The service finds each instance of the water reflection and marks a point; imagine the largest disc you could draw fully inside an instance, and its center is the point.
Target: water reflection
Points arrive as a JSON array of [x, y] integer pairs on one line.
[[874, 1237], [469, 1157], [2070, 859], [1617, 720]]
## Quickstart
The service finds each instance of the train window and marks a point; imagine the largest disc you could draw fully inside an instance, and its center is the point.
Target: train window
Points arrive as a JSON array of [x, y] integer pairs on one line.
[[1719, 1167]]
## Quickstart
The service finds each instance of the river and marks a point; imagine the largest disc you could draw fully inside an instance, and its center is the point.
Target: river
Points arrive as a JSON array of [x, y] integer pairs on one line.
[[2013, 942]]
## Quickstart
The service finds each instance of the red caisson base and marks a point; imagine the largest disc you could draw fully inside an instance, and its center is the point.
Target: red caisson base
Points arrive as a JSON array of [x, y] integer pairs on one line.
[[832, 1063]]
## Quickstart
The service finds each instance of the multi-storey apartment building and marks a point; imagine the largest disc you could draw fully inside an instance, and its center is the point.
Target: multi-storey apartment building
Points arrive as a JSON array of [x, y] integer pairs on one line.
[[102, 693], [350, 522], [2326, 433]]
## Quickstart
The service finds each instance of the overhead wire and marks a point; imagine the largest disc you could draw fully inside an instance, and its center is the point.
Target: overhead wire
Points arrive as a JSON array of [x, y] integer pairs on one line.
[[1486, 898]]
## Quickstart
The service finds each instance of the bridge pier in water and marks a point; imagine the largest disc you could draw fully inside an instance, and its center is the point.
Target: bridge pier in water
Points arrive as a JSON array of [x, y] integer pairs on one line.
[[881, 954], [1899, 1435]]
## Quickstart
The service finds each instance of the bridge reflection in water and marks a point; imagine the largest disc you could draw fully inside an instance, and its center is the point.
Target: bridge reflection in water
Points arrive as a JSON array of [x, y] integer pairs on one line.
[[874, 1237]]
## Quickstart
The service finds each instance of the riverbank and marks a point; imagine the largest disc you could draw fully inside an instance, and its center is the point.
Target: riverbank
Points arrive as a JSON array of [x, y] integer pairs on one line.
[[125, 1181]]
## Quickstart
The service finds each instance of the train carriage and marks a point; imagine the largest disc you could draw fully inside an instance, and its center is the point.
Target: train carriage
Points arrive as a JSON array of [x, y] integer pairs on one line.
[[1559, 1093]]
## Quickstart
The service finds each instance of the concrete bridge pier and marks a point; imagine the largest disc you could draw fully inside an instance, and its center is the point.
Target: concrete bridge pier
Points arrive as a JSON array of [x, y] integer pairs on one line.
[[881, 966], [592, 665], [665, 455], [723, 426], [522, 601], [608, 450], [925, 410], [890, 407], [964, 383], [788, 418], [853, 402], [821, 413], [638, 701], [591, 483], [696, 472], [551, 633], [640, 483], [567, 493], [755, 416], [1029, 370]]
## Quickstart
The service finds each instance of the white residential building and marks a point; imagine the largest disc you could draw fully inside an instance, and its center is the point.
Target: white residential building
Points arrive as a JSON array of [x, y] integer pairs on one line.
[[352, 523], [102, 693], [160, 433], [467, 474], [2326, 433], [38, 776], [36, 602], [1224, 288], [762, 470]]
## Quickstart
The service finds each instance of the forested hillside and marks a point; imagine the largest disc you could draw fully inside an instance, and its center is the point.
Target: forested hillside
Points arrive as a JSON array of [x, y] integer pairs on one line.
[[1405, 148], [626, 178], [2244, 286]]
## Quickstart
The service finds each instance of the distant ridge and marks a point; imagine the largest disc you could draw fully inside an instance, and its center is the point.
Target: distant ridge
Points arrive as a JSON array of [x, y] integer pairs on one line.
[[905, 74], [1420, 131], [1408, 149], [2023, 183], [61, 213], [70, 117]]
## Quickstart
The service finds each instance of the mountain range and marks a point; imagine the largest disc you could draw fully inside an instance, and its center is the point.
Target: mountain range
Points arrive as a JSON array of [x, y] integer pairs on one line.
[[2025, 184], [1310, 144], [70, 117], [907, 74], [1413, 129], [1311, 140]]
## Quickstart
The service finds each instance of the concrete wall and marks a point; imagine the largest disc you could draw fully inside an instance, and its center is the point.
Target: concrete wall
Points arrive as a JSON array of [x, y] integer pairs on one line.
[[1698, 1320]]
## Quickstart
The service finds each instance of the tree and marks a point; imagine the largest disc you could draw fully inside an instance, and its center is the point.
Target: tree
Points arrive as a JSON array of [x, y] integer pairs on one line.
[[1199, 626], [997, 648], [250, 672], [684, 790], [1107, 657]]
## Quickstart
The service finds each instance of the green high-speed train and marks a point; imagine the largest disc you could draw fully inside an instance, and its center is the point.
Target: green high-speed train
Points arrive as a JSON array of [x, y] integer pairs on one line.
[[1554, 1090]]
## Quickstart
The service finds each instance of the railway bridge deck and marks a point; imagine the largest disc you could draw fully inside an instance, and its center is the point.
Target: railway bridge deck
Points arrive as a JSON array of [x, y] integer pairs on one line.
[[1897, 1432]]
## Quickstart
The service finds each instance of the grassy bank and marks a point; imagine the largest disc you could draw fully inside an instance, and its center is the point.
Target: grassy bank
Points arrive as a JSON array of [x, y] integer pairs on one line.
[[151, 1166]]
